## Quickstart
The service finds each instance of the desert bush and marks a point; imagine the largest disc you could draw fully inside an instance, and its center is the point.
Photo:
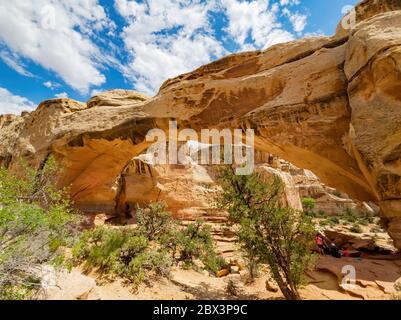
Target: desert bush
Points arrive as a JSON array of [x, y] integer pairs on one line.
[[195, 242], [151, 248], [324, 223], [36, 220], [367, 218], [334, 220], [104, 247], [122, 251], [363, 222], [356, 228], [155, 220], [213, 262], [329, 222], [350, 215], [308, 204], [153, 261], [269, 232], [183, 243]]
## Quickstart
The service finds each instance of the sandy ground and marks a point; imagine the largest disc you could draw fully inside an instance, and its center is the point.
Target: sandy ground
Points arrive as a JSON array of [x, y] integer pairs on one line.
[[375, 277], [375, 280]]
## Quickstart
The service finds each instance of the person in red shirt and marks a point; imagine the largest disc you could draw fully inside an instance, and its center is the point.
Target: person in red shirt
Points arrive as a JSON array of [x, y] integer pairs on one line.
[[320, 243], [345, 252]]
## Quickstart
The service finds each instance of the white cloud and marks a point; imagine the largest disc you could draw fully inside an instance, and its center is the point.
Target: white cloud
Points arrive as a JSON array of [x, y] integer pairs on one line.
[[51, 85], [254, 24], [57, 35], [289, 2], [162, 38], [61, 95], [318, 33], [297, 20], [48, 84], [166, 38], [13, 62], [10, 103]]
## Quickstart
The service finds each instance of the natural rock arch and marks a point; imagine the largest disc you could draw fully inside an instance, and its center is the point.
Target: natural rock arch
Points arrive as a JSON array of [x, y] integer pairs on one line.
[[328, 104]]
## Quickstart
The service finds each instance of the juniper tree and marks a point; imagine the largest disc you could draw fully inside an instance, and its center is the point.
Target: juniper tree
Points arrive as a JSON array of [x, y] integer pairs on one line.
[[268, 231]]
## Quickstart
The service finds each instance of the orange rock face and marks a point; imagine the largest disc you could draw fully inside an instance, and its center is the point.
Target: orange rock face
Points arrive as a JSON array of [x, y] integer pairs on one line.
[[328, 104]]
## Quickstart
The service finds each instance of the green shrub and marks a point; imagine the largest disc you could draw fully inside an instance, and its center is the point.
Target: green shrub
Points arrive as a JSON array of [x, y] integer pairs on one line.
[[328, 222], [155, 220], [195, 242], [158, 262], [363, 222], [308, 204], [324, 223], [36, 221], [122, 251], [334, 220], [367, 218], [349, 215], [311, 214], [213, 262], [356, 228], [151, 248], [102, 247]]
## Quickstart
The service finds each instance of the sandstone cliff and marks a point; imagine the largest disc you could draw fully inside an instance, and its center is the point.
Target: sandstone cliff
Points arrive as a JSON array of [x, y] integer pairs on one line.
[[331, 105]]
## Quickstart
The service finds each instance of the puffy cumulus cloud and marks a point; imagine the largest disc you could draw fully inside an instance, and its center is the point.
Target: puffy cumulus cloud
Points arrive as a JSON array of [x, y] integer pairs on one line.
[[318, 33], [289, 2], [14, 104], [297, 20], [166, 38], [254, 24], [51, 85], [155, 39], [61, 95], [57, 35]]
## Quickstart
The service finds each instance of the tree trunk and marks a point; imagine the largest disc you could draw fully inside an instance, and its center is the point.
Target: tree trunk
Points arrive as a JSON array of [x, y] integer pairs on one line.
[[288, 293]]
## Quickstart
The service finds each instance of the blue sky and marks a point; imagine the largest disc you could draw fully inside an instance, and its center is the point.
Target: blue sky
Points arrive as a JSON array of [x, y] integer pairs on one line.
[[76, 48]]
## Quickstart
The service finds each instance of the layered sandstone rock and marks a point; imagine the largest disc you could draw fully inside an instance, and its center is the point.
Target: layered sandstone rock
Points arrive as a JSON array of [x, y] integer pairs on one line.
[[189, 189], [303, 183], [327, 104]]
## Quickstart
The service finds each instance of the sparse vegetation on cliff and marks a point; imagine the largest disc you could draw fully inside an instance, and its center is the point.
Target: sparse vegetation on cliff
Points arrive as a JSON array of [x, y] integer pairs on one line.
[[308, 204]]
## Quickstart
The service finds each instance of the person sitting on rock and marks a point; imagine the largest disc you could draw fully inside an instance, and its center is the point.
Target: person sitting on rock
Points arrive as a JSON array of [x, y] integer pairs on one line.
[[320, 243], [345, 252], [334, 251]]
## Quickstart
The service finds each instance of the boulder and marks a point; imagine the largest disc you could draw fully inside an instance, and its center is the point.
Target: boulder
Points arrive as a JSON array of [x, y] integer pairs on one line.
[[72, 286]]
